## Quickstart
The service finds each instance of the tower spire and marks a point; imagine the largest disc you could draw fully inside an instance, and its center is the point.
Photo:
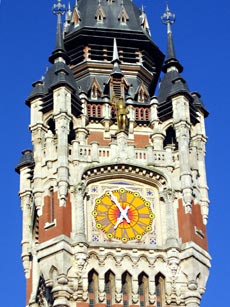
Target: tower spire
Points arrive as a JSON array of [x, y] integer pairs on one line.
[[59, 9], [168, 18], [115, 52], [116, 61]]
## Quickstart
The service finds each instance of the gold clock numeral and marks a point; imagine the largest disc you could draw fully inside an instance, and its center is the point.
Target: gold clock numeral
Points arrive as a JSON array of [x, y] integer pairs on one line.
[[94, 213]]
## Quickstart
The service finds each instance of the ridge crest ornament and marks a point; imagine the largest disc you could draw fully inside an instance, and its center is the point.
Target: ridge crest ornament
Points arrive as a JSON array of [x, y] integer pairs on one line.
[[123, 214]]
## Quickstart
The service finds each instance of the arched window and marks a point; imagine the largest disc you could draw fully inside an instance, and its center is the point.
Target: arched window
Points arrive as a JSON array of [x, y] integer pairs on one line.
[[126, 288], [123, 17], [170, 138], [100, 15], [141, 96], [142, 114], [94, 92], [92, 288], [160, 290], [99, 111], [109, 288], [72, 134], [143, 289], [51, 125], [94, 110]]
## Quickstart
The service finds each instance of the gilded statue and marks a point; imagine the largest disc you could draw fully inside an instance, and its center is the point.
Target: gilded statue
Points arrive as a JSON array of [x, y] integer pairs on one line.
[[121, 113]]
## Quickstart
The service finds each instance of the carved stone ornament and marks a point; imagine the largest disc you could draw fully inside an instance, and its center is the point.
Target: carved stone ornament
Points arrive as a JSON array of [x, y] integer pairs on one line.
[[152, 298], [167, 195], [81, 260], [80, 188], [192, 285], [118, 297], [173, 262], [135, 298], [101, 296]]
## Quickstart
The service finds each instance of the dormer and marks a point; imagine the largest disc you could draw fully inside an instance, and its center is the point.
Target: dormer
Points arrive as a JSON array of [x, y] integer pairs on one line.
[[100, 15], [123, 16], [95, 90], [141, 93]]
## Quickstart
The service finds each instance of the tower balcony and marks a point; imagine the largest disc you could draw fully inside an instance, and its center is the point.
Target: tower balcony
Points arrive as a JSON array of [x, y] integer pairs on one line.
[[109, 154]]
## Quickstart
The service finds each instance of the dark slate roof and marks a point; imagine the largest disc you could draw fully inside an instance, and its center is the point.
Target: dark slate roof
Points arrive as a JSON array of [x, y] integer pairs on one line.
[[171, 84], [59, 73], [88, 10], [198, 103], [27, 159]]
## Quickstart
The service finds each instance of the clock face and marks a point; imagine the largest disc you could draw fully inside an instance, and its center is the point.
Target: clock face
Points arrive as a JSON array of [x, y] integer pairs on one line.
[[123, 214]]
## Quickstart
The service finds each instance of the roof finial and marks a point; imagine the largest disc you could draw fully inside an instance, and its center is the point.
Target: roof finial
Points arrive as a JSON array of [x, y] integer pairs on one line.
[[68, 13], [142, 8], [59, 9], [168, 18]]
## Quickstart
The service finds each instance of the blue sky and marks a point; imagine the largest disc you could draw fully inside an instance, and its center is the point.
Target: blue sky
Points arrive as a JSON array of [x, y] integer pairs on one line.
[[202, 43]]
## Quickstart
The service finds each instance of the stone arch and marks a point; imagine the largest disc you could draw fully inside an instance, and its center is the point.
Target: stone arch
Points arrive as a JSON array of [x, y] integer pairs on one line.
[[110, 287], [126, 288], [160, 289], [143, 288], [93, 283], [53, 274], [51, 125], [170, 138], [127, 171], [72, 133]]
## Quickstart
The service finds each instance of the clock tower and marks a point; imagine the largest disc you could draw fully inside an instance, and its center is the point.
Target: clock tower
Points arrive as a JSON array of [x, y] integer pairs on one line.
[[114, 193]]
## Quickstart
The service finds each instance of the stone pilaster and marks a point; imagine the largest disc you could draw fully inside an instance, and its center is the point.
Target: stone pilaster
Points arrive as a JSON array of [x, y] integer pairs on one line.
[[168, 197], [183, 138], [78, 218]]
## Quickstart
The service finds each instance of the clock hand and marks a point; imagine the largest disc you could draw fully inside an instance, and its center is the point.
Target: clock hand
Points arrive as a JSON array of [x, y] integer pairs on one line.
[[122, 216], [123, 212], [119, 220], [114, 199]]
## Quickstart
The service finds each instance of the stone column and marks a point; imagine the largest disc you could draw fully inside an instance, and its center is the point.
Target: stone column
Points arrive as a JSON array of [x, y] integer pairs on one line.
[[122, 153], [50, 154], [183, 137], [78, 220], [94, 151], [61, 293], [157, 137], [62, 127], [202, 179], [168, 197], [26, 232], [38, 134], [181, 119]]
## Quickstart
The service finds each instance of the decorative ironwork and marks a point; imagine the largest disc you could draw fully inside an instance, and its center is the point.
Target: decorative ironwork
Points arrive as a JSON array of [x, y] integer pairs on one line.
[[59, 8], [168, 18]]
